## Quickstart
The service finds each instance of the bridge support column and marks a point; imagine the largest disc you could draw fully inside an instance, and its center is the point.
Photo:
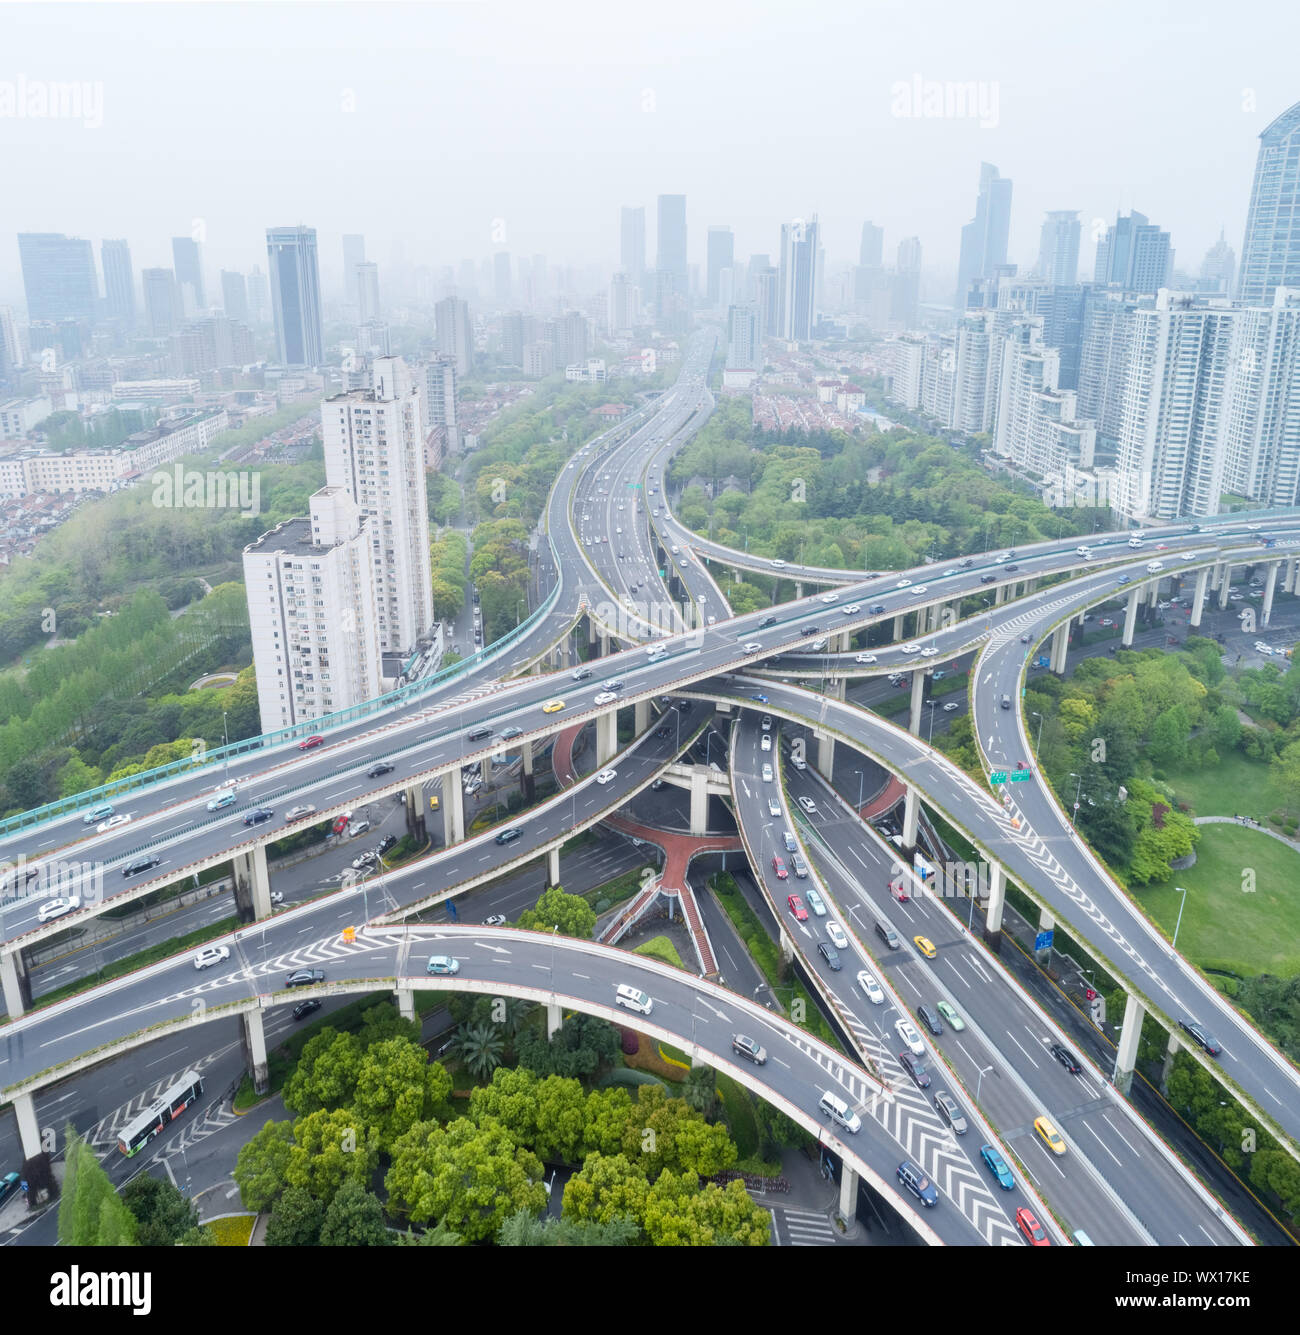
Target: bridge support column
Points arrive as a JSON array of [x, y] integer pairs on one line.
[[593, 631], [1288, 578], [606, 736], [29, 1132], [848, 1193], [641, 716], [798, 589], [552, 867], [1130, 618], [898, 627], [1060, 648], [255, 1050], [554, 1019], [602, 642], [699, 800], [252, 884], [1225, 586], [415, 812], [17, 986], [485, 768], [999, 595], [911, 815], [997, 902], [1198, 598], [825, 755], [453, 808], [527, 779], [787, 946], [1153, 593], [837, 687], [918, 694], [1266, 611], [1127, 1049], [406, 1003]]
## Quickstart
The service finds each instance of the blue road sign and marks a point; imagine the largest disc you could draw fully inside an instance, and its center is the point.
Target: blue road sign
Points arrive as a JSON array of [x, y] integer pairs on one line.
[[1043, 940]]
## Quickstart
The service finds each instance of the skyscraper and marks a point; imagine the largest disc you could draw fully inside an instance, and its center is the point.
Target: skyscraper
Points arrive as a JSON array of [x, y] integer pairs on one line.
[[119, 282], [721, 252], [1270, 253], [455, 334], [743, 349], [872, 249], [1058, 250], [671, 253], [354, 253], [188, 265], [800, 245], [367, 276], [259, 296], [295, 294], [1217, 268], [58, 276], [440, 398], [905, 296], [501, 277], [234, 295], [984, 238], [623, 305], [162, 304], [632, 245], [1134, 256]]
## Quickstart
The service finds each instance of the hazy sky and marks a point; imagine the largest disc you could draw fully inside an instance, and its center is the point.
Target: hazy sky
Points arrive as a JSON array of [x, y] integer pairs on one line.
[[425, 123]]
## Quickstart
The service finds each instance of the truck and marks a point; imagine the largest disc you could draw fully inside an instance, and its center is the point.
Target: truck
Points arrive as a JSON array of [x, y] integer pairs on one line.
[[1042, 661]]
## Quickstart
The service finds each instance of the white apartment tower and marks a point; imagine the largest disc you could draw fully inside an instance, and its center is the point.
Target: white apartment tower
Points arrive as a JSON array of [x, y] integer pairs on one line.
[[374, 450], [311, 610]]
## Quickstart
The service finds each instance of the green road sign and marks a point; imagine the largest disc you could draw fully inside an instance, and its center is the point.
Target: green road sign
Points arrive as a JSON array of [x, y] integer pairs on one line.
[[1020, 775], [998, 776]]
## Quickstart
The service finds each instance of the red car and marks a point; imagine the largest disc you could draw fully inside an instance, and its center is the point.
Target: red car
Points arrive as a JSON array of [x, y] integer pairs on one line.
[[898, 889], [309, 743], [1034, 1232], [778, 866], [797, 908]]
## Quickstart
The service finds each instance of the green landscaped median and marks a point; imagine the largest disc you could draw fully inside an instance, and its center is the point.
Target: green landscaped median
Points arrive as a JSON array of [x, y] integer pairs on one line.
[[1226, 925]]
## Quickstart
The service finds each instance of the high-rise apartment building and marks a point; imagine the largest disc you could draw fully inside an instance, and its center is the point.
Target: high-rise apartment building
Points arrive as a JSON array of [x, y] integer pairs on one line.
[[354, 253], [367, 276], [984, 238], [58, 276], [624, 305], [872, 249], [1270, 253], [119, 282], [311, 611], [295, 294], [1218, 268], [374, 450], [187, 264], [259, 295], [720, 255], [1058, 248], [455, 333], [234, 294], [1134, 256], [905, 293], [797, 298], [744, 351], [632, 245], [163, 313], [440, 397]]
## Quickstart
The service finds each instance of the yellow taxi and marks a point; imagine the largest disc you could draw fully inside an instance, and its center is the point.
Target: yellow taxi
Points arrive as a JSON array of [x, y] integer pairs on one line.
[[925, 946], [552, 706], [1049, 1135]]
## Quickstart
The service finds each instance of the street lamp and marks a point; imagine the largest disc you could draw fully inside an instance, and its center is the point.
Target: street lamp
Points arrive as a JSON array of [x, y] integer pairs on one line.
[[983, 1072], [225, 741], [1074, 819], [862, 778], [930, 737], [1173, 945]]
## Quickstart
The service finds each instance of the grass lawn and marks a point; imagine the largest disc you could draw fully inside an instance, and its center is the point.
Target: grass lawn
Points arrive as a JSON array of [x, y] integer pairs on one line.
[[1235, 786], [1223, 925]]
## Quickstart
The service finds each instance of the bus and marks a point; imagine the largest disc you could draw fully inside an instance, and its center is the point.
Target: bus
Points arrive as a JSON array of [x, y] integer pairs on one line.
[[139, 1132]]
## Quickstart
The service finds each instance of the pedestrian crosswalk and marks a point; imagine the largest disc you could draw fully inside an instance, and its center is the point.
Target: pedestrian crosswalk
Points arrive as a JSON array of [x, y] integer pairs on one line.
[[801, 1228]]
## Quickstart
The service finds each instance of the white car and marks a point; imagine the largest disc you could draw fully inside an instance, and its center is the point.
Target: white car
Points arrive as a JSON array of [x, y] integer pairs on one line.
[[950, 706], [836, 934], [920, 588], [830, 597], [911, 1039], [773, 807], [1153, 566], [751, 646], [634, 999], [604, 698], [766, 743], [56, 908], [777, 565], [767, 723], [607, 776], [799, 762], [767, 774], [1187, 556], [864, 658], [112, 823], [929, 652], [210, 955], [808, 804], [903, 584], [872, 988], [852, 609], [913, 648]]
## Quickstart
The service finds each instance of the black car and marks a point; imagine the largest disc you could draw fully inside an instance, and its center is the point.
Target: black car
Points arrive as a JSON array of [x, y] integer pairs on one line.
[[581, 674], [987, 579], [385, 844], [1201, 1035], [876, 609], [967, 563], [258, 816], [305, 977], [616, 685], [916, 1068], [830, 955], [375, 771], [747, 1047], [510, 835], [1010, 569], [139, 865], [930, 1019], [304, 1008], [478, 734], [1066, 1058], [663, 732], [766, 621], [809, 630]]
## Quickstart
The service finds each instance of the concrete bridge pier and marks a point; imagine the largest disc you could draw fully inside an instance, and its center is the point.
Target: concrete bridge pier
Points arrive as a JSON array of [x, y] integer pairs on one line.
[[16, 983], [606, 736], [255, 1050], [1060, 648], [997, 902], [1127, 1049], [252, 884], [1198, 598], [453, 808], [1130, 618]]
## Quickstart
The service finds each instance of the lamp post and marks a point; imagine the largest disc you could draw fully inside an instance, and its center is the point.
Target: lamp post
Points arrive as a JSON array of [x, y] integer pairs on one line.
[[930, 737], [1173, 945], [1074, 818], [862, 778], [983, 1072], [225, 742]]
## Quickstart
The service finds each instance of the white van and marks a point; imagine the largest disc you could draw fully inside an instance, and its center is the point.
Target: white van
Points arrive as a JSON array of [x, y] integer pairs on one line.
[[633, 999], [840, 1113]]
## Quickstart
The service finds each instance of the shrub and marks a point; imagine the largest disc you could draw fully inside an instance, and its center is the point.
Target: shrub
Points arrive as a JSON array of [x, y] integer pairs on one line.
[[631, 1041]]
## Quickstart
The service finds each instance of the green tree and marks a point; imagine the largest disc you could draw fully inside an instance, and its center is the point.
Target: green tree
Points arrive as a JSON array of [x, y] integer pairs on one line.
[[571, 914], [296, 1220], [162, 1214], [481, 1047], [261, 1165], [91, 1214], [354, 1218], [326, 1074], [397, 1086], [1285, 769], [331, 1148], [606, 1187], [526, 1230], [700, 1089]]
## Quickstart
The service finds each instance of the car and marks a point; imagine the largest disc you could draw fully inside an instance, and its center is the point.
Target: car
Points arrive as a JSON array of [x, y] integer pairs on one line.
[[907, 1032], [305, 977], [1011, 570], [378, 771], [224, 800], [795, 905], [633, 999], [1049, 1135], [918, 1182], [864, 658], [929, 652], [767, 774], [808, 630], [600, 698], [56, 908], [872, 988], [930, 1019], [789, 841], [912, 648], [508, 733], [443, 964], [799, 763], [479, 733], [1024, 639], [1253, 528], [509, 836], [776, 564], [920, 588], [1201, 1036], [387, 842], [800, 866], [1154, 566], [298, 812], [951, 1112], [898, 888], [1187, 556], [815, 901], [1066, 1058], [1006, 702], [364, 859], [766, 725], [749, 1049], [207, 956], [925, 946], [988, 579], [808, 805], [876, 609], [916, 1068], [141, 864], [760, 697], [258, 815], [1124, 579], [1034, 1232], [952, 1015], [766, 743], [305, 1008], [683, 562], [112, 823], [837, 934], [607, 776], [580, 674], [903, 584], [852, 609], [950, 706], [766, 621], [97, 813], [778, 866], [1083, 551], [552, 706], [830, 597], [308, 743], [751, 646], [615, 685], [830, 955], [773, 807]]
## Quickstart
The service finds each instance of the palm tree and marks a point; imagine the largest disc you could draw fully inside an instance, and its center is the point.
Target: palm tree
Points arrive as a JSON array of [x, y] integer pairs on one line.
[[480, 1047], [700, 1089]]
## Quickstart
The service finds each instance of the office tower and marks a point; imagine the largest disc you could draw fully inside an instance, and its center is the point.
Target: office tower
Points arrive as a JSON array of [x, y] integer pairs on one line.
[[727, 296], [905, 287], [11, 357], [624, 302], [1134, 256], [743, 349], [367, 281], [632, 244], [721, 253], [311, 612], [374, 450], [872, 248], [455, 334], [58, 276], [211, 342], [259, 294], [501, 279], [234, 295], [1217, 268], [119, 282], [354, 253], [1058, 250], [1061, 308], [295, 294], [766, 284], [188, 267], [440, 397], [162, 304], [984, 238], [1270, 253], [797, 312], [512, 338], [672, 272]]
